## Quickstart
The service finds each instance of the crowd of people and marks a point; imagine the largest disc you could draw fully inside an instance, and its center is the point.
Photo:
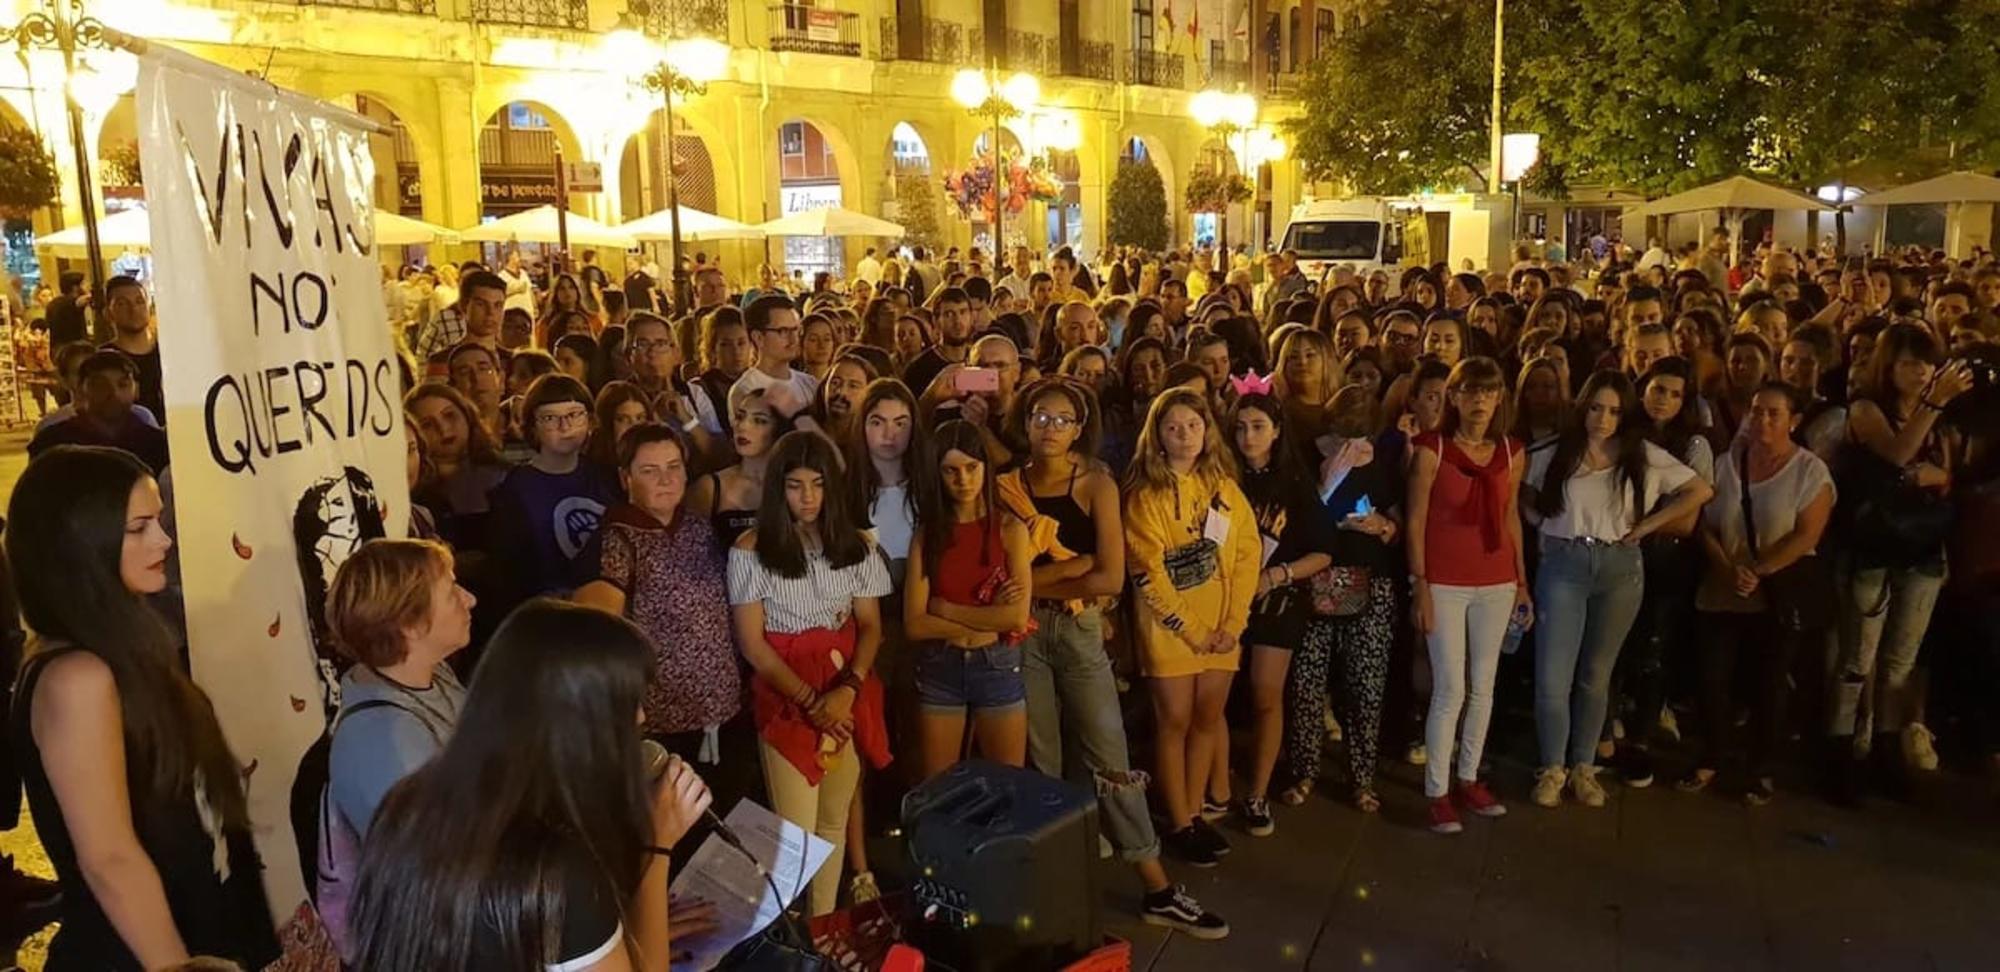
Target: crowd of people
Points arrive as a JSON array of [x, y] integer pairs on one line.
[[823, 545]]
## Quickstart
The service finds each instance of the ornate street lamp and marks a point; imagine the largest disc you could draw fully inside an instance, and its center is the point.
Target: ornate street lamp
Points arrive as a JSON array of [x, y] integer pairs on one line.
[[63, 26], [985, 95], [1228, 116], [682, 68]]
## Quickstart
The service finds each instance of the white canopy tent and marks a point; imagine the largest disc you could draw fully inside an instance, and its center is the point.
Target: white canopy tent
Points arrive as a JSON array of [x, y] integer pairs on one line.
[[695, 225], [1731, 199], [128, 230], [132, 229], [831, 221], [1953, 190], [538, 225]]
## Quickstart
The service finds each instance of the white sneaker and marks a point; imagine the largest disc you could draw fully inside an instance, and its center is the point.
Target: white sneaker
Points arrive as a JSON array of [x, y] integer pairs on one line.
[[1583, 784], [1548, 790], [1417, 755], [1919, 749]]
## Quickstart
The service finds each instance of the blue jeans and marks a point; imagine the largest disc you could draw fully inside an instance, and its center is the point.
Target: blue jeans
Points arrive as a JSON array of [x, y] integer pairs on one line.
[[1073, 707], [1586, 597], [952, 680]]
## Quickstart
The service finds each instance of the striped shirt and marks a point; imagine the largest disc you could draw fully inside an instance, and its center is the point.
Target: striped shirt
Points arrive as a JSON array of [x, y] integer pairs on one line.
[[821, 598]]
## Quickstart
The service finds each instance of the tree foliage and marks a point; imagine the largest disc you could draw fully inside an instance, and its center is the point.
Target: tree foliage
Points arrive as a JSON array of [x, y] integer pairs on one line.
[[1399, 102], [917, 210], [28, 179], [1659, 97], [1138, 202], [1212, 191]]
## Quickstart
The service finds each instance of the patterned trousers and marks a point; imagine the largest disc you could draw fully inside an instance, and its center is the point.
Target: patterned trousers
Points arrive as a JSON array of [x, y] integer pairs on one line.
[[1357, 649]]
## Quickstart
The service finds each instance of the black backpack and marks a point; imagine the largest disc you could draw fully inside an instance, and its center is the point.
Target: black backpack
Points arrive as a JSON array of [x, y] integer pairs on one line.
[[309, 793]]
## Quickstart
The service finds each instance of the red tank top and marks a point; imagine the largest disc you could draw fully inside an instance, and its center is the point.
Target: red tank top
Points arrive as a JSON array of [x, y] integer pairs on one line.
[[1466, 540], [973, 566]]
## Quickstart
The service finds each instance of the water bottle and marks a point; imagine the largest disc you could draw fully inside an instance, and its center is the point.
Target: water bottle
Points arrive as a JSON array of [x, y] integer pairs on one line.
[[1517, 625]]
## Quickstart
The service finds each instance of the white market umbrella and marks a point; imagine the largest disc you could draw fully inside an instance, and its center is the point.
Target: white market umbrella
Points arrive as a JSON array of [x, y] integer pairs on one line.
[[394, 230], [538, 225], [1733, 193], [831, 221], [1952, 187], [130, 229], [695, 225]]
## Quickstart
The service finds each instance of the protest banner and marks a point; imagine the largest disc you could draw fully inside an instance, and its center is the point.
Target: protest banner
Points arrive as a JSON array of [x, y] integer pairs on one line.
[[283, 398]]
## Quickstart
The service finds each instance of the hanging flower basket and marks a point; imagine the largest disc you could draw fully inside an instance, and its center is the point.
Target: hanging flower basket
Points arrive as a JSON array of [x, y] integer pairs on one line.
[[972, 188], [28, 178], [1209, 191]]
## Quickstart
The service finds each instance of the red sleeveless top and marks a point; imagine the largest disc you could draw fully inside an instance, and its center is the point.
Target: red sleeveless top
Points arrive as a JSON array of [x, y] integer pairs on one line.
[[1466, 540]]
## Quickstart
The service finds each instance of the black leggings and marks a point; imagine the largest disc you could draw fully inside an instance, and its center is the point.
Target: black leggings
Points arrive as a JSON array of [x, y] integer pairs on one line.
[[1656, 636], [1730, 638]]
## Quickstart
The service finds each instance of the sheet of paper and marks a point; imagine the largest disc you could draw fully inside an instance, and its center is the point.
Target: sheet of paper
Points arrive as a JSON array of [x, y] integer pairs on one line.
[[742, 897]]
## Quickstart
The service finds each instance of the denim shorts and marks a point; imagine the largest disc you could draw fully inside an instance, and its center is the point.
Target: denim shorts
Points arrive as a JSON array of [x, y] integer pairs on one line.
[[981, 679]]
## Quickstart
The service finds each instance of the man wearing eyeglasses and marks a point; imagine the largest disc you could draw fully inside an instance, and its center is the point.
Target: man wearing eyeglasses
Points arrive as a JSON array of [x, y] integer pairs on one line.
[[1401, 338], [774, 329]]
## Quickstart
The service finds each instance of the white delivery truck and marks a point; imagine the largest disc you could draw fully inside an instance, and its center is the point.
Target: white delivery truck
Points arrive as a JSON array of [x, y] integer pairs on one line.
[[1359, 232]]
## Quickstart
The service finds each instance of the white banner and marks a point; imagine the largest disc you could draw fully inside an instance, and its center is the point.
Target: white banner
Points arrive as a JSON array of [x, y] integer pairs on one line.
[[285, 418]]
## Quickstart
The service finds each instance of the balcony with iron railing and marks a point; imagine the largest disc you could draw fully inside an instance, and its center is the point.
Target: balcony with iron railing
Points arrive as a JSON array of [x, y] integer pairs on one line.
[[1020, 50], [424, 7], [1225, 75], [1158, 69], [814, 30], [685, 18], [1281, 84], [931, 40], [559, 14], [1092, 60]]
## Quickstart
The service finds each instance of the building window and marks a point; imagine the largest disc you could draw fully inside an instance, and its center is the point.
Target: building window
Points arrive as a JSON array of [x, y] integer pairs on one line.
[[522, 115], [1142, 25], [1324, 30], [792, 140]]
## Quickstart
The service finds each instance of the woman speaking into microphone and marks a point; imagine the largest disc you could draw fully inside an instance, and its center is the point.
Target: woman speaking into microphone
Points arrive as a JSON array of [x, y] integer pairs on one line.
[[534, 840]]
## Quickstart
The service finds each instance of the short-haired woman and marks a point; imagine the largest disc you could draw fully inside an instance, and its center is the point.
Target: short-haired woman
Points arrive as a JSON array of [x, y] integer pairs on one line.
[[395, 613], [532, 840], [804, 587]]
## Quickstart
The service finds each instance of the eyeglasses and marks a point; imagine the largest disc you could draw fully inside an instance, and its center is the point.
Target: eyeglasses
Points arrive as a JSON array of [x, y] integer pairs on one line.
[[784, 332], [648, 347], [561, 420], [1398, 337], [1060, 423]]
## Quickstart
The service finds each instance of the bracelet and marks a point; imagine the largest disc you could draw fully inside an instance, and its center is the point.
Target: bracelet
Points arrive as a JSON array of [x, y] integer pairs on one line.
[[849, 679], [1289, 578], [1927, 403]]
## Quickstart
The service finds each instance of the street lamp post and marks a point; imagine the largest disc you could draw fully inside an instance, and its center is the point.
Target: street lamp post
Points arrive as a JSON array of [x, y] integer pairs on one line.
[[683, 68], [63, 26], [985, 95], [1225, 116]]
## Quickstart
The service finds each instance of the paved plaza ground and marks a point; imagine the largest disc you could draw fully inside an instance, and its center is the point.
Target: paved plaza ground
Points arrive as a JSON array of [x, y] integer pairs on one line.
[[1658, 880]]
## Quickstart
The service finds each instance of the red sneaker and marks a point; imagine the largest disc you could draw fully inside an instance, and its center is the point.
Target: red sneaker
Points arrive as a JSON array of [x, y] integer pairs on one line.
[[1474, 797], [1444, 819]]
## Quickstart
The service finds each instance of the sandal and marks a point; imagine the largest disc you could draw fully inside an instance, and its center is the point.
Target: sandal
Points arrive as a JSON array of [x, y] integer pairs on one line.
[[1367, 802], [1695, 781], [1295, 795], [1760, 792]]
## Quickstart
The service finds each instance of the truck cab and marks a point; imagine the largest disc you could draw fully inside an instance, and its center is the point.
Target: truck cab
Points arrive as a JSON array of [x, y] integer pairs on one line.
[[1361, 233]]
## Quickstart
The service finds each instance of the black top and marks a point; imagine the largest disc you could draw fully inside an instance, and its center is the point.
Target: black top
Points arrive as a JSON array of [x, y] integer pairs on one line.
[[1287, 512], [590, 925], [1073, 527], [152, 388], [66, 322], [223, 915], [729, 525], [144, 441], [924, 368], [1380, 481]]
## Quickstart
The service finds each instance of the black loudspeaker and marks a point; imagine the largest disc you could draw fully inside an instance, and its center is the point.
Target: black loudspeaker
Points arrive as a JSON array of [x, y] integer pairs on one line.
[[1005, 865]]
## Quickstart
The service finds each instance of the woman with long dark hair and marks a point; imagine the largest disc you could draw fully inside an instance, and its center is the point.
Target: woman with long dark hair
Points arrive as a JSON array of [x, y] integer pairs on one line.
[[134, 791], [1672, 564], [1594, 495], [731, 497], [805, 587], [531, 841], [565, 298], [467, 461], [966, 601], [1294, 539]]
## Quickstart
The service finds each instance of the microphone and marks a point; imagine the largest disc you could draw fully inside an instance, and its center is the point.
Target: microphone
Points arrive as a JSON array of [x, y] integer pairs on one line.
[[657, 759]]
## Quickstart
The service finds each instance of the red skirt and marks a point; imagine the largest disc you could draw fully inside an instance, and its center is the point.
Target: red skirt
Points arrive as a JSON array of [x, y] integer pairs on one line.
[[780, 722]]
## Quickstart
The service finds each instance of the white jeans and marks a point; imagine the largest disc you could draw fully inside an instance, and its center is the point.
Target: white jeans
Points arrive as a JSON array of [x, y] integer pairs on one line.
[[1468, 625]]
